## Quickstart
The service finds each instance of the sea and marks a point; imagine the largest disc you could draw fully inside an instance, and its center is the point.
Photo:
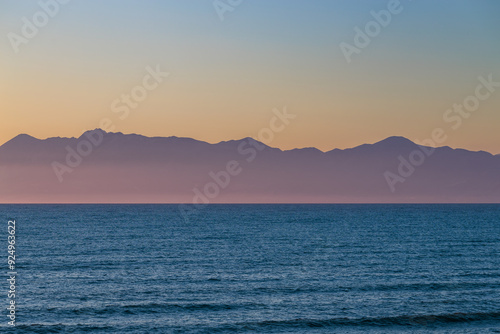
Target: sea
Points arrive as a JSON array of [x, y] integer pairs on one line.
[[253, 268]]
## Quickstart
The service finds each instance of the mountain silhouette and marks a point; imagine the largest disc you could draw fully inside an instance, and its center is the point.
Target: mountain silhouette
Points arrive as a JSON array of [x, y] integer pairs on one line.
[[112, 167]]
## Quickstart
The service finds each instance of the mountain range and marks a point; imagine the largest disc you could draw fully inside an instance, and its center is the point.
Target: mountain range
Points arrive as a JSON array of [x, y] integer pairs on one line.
[[107, 167]]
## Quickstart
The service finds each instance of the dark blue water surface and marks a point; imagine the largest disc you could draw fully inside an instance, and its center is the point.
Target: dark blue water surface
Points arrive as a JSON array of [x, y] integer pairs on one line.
[[255, 268]]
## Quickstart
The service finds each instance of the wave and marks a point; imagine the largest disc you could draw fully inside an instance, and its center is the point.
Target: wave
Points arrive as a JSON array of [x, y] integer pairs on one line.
[[61, 328], [403, 320], [299, 325], [147, 308], [451, 286], [447, 286]]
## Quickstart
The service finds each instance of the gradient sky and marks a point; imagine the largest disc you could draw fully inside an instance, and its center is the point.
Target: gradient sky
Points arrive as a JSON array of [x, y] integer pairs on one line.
[[227, 76]]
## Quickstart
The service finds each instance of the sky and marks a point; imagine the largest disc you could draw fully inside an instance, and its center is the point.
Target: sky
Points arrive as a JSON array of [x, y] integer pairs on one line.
[[229, 66]]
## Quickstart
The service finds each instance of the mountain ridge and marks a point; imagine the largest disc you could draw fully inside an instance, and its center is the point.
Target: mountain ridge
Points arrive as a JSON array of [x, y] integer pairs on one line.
[[389, 141]]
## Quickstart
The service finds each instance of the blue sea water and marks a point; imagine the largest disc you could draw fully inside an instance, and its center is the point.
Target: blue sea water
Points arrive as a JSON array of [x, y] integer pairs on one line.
[[255, 268]]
